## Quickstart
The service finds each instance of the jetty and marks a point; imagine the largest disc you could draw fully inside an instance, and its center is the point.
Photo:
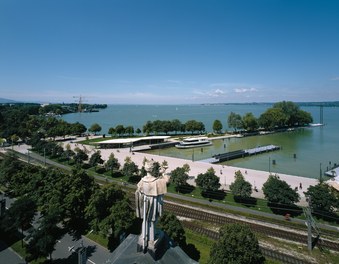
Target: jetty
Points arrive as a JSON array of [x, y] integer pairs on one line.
[[240, 154]]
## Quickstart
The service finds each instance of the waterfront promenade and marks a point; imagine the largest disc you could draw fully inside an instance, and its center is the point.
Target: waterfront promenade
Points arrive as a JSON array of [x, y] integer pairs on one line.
[[225, 173]]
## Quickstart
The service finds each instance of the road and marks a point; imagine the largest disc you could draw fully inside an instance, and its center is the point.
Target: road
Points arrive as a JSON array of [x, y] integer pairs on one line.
[[65, 249], [7, 255]]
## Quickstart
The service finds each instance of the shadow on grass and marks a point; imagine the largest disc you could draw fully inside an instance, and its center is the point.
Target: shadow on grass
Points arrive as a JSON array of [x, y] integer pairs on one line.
[[85, 166], [292, 210], [327, 216], [248, 202], [116, 174], [101, 170], [134, 179], [214, 195], [192, 251], [9, 238], [185, 189]]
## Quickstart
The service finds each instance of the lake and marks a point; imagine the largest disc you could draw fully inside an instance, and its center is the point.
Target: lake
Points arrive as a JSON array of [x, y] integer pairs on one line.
[[315, 148]]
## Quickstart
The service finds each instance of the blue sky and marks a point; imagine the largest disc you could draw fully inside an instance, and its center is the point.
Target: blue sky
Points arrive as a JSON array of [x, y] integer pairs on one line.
[[169, 52]]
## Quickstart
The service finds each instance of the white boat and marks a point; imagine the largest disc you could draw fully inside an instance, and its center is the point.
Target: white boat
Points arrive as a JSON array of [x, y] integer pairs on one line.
[[194, 142]]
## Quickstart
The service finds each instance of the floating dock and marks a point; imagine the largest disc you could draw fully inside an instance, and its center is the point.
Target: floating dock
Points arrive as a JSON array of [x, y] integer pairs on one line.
[[240, 154], [334, 172]]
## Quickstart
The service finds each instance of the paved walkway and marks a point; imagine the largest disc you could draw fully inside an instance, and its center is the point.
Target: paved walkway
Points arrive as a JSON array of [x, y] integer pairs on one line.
[[225, 173]]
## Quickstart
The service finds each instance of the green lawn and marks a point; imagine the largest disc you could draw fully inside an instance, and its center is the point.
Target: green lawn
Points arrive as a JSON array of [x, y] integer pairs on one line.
[[254, 204], [228, 199], [103, 241], [13, 240], [203, 244]]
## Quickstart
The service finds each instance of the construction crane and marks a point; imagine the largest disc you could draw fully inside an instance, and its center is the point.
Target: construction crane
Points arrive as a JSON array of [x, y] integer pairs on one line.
[[80, 100]]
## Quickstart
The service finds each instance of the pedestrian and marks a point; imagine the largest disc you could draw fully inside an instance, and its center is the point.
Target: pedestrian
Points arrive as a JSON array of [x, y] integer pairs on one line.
[[300, 186]]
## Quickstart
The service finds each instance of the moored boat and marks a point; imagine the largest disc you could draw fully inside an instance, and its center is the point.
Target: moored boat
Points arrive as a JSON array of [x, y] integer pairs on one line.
[[194, 142]]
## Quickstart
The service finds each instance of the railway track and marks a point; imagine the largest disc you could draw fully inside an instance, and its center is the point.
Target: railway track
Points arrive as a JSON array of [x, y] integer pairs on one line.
[[267, 252], [220, 219], [209, 217]]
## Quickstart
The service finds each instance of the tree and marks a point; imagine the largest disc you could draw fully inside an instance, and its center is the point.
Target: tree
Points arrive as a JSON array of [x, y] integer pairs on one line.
[[249, 122], [120, 219], [77, 190], [208, 181], [14, 139], [129, 130], [217, 126], [179, 177], [9, 166], [95, 128], [80, 156], [43, 239], [236, 244], [111, 131], [109, 211], [130, 170], [100, 203], [170, 224], [323, 198], [200, 127], [78, 128], [57, 151], [164, 164], [176, 125], [241, 188], [194, 126], [147, 128], [68, 153], [96, 159], [234, 121], [272, 118], [20, 215], [290, 110], [112, 163], [2, 141], [277, 191], [20, 181], [304, 118], [120, 130], [138, 131]]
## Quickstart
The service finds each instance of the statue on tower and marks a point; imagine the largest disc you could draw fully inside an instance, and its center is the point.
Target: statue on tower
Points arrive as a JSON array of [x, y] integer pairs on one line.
[[149, 205]]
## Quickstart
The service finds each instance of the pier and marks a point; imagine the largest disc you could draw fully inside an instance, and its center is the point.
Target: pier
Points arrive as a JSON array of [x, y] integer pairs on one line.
[[240, 154]]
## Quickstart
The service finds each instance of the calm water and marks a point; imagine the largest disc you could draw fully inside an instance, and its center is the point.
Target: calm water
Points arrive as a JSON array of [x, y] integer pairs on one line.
[[315, 147]]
